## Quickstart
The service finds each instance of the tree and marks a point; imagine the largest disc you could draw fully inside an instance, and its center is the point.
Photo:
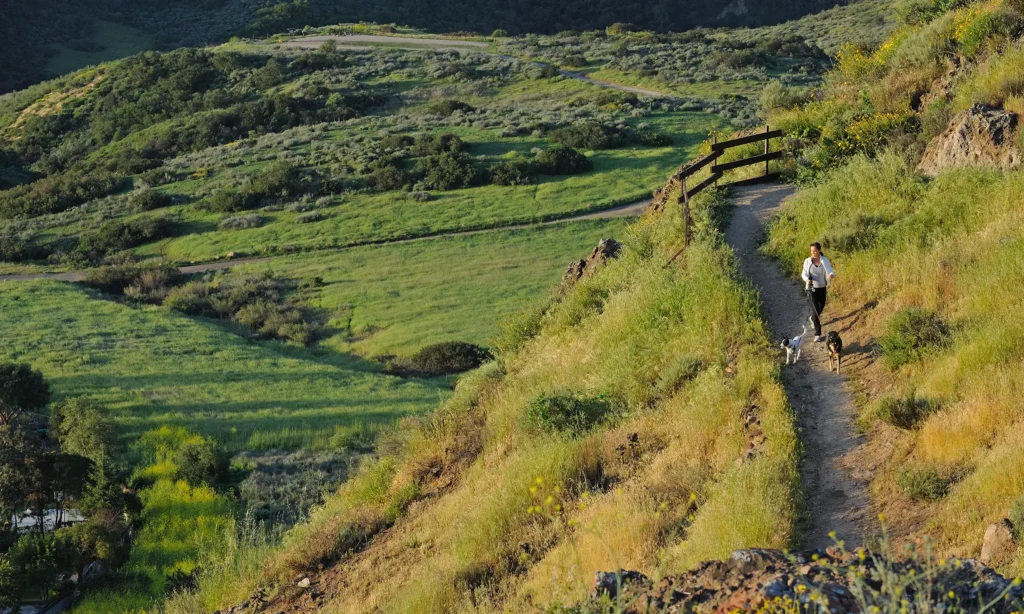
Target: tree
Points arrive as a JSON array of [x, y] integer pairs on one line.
[[22, 389], [83, 427], [17, 455], [199, 462]]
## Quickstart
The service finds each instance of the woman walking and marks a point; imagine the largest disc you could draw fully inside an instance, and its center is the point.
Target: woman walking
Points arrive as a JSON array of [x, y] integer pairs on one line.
[[817, 276]]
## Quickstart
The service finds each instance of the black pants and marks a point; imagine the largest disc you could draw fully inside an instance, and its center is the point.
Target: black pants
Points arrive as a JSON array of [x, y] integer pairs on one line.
[[818, 301]]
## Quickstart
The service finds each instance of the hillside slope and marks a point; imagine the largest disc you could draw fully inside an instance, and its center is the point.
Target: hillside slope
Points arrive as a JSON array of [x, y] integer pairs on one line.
[[927, 265]]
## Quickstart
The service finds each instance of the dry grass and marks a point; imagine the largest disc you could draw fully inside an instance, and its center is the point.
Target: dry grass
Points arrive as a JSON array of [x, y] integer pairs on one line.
[[955, 246]]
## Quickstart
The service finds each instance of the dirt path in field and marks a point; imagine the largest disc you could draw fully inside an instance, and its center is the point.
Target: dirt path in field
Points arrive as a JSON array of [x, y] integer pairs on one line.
[[836, 490], [350, 41], [631, 210]]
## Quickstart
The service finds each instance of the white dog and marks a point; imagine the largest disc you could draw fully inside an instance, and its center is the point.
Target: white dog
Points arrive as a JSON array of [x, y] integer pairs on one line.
[[792, 346]]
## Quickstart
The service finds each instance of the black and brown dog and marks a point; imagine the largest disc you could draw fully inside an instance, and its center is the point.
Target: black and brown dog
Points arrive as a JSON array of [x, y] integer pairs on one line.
[[834, 343]]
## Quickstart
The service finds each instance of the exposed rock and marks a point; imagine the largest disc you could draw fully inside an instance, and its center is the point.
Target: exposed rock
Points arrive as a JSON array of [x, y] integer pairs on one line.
[[979, 136], [941, 89], [749, 578], [303, 583], [998, 545], [606, 250]]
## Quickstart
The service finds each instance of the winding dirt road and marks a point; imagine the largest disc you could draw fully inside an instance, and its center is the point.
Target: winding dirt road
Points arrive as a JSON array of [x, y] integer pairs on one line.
[[836, 493], [631, 210]]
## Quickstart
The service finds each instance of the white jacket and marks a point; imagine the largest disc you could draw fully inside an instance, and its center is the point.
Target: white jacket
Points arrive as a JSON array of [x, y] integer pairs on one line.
[[816, 280]]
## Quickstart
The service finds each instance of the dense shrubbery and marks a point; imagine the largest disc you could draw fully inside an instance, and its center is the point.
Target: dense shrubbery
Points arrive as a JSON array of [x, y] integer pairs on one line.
[[119, 235], [56, 193], [279, 181], [240, 222], [562, 160], [448, 107], [905, 412], [589, 135], [570, 413], [143, 282], [447, 171], [926, 484], [147, 199], [511, 172], [448, 357]]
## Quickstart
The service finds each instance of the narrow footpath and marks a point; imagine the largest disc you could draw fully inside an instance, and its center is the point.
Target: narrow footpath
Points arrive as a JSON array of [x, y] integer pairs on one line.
[[836, 498]]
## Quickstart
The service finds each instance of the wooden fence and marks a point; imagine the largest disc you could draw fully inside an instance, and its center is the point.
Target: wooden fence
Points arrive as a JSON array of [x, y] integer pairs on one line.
[[717, 170]]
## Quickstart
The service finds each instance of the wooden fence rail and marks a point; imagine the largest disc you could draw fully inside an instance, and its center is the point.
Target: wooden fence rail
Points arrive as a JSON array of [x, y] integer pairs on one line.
[[717, 170]]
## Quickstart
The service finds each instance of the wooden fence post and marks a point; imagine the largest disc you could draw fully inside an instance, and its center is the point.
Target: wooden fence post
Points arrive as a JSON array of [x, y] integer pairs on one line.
[[766, 141], [686, 215]]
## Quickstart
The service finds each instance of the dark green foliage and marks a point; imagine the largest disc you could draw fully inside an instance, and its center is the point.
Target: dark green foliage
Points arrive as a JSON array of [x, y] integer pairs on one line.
[[147, 200], [562, 160], [18, 247], [57, 193], [284, 487], [232, 201], [281, 16], [277, 182], [910, 334], [119, 235], [569, 413], [117, 278], [923, 484], [511, 172], [200, 463], [448, 357], [83, 427], [437, 144], [448, 171], [740, 58], [905, 412], [387, 174], [589, 135], [22, 390], [647, 137], [448, 107]]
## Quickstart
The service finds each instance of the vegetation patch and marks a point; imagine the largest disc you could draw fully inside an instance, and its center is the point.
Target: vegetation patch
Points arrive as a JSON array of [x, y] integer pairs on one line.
[[910, 334]]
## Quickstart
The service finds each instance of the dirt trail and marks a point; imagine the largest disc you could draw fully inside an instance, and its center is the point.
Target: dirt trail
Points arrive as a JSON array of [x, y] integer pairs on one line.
[[631, 210], [837, 496]]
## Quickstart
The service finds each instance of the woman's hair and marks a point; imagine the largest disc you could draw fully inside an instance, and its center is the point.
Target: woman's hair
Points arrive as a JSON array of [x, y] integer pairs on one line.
[[816, 244]]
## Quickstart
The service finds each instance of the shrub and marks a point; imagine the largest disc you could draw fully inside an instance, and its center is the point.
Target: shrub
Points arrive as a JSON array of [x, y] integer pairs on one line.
[[570, 413], [910, 334], [448, 107], [448, 357], [1016, 517], [147, 200], [650, 138], [589, 135], [420, 196], [447, 171], [387, 177], [231, 200], [436, 144], [309, 217], [511, 172], [922, 484], [200, 463], [119, 235], [240, 222], [905, 412], [192, 298], [562, 160]]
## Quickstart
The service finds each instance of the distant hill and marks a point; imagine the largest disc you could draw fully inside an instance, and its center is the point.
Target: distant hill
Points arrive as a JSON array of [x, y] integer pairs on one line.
[[33, 33]]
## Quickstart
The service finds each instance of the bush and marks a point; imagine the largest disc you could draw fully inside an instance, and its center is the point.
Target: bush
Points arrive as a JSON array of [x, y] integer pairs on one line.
[[447, 171], [387, 177], [569, 413], [147, 200], [1016, 517], [436, 144], [231, 200], [448, 357], [119, 235], [650, 138], [240, 222], [910, 334], [562, 160], [922, 484], [192, 299], [309, 217], [589, 135], [420, 196], [200, 463], [906, 412], [511, 172], [448, 107]]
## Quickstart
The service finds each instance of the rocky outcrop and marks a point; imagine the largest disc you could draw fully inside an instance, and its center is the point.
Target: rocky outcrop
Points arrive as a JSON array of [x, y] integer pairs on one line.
[[979, 136], [606, 250], [998, 545], [822, 581]]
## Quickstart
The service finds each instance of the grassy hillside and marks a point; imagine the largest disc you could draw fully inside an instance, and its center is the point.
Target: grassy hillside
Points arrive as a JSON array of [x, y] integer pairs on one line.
[[926, 269], [37, 38], [635, 421]]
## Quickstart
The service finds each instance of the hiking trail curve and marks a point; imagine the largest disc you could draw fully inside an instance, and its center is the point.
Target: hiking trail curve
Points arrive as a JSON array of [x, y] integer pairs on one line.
[[836, 495]]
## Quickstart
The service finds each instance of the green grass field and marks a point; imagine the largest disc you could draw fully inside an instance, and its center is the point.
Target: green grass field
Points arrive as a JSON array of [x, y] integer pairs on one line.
[[154, 367], [405, 296], [112, 41]]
